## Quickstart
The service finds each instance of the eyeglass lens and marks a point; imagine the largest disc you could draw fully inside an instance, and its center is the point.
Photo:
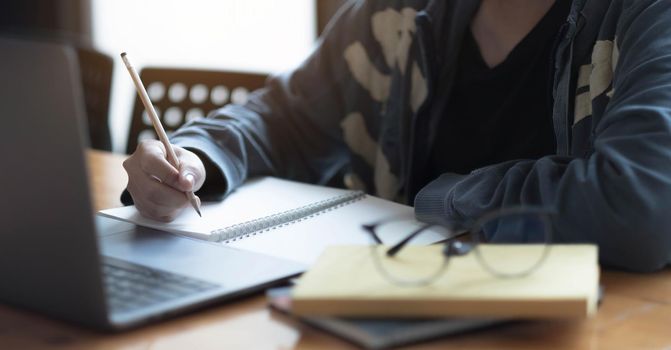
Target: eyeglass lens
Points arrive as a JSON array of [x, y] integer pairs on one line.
[[530, 231]]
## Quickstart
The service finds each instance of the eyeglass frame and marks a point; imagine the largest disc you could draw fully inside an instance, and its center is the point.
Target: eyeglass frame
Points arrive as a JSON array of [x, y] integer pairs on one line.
[[455, 247]]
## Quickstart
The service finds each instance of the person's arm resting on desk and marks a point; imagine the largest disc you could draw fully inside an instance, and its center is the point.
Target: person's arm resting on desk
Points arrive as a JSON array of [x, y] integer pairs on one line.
[[617, 196]]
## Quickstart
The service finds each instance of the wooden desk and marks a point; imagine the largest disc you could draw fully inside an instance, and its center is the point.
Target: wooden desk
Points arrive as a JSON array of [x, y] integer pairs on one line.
[[636, 314]]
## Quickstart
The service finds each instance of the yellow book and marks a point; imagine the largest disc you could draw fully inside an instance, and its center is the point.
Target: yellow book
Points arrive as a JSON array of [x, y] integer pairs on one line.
[[346, 282]]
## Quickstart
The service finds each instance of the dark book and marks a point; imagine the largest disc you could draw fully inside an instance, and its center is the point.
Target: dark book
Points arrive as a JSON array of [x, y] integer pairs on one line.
[[380, 333]]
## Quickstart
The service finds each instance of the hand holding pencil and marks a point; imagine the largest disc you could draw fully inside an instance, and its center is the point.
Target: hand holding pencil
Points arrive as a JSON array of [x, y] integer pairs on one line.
[[154, 181]]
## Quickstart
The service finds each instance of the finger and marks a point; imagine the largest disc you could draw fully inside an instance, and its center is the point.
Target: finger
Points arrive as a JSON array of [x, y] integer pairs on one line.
[[146, 205], [189, 177], [192, 170], [154, 164], [144, 188], [187, 181], [161, 195]]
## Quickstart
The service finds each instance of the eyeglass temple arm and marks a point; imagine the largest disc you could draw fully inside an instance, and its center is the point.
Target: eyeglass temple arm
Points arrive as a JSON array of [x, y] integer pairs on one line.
[[370, 228], [398, 246]]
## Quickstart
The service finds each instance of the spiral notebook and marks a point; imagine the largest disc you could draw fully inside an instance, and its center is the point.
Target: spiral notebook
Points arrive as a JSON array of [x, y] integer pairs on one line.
[[282, 218]]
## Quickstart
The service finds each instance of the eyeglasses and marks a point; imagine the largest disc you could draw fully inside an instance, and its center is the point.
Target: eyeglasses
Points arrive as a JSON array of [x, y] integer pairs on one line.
[[520, 225]]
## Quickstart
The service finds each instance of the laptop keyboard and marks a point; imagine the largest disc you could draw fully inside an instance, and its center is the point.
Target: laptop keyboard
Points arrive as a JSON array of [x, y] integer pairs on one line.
[[131, 287]]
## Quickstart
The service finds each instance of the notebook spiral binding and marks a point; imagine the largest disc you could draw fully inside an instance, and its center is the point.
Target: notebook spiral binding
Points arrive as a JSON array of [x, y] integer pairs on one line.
[[264, 224]]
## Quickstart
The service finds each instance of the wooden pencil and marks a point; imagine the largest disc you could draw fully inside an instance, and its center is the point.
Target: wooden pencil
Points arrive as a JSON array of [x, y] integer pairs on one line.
[[158, 127]]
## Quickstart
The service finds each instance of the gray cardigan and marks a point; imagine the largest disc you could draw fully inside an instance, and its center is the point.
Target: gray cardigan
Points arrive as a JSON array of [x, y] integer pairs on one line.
[[362, 110]]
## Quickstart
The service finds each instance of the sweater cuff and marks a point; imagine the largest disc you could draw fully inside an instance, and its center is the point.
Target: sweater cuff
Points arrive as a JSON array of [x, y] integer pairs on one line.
[[433, 204]]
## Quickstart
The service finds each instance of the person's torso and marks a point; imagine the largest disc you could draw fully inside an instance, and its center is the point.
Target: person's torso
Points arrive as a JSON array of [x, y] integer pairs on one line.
[[404, 126], [499, 113]]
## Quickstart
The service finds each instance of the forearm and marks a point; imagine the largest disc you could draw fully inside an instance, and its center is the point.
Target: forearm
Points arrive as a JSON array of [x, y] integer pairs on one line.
[[596, 201], [616, 195]]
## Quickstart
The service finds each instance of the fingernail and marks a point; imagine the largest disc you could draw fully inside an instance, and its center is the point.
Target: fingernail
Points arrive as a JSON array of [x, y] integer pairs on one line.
[[189, 177]]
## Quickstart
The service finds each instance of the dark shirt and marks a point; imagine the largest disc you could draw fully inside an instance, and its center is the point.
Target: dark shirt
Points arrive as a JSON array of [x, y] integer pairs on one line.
[[515, 122]]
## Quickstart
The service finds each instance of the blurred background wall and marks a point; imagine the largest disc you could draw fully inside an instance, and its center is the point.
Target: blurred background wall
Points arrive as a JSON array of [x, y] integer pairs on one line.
[[264, 36]]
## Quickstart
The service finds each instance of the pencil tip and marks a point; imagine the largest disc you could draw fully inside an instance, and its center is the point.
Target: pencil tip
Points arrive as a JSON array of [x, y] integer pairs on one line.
[[123, 54], [198, 211]]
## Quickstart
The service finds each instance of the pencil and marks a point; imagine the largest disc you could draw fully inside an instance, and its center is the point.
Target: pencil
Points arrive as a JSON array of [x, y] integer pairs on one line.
[[149, 107]]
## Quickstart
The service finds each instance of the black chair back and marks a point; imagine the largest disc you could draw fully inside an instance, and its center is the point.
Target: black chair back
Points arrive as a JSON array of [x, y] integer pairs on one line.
[[96, 74]]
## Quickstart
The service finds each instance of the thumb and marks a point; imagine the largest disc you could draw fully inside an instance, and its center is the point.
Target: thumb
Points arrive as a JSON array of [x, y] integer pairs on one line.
[[187, 180]]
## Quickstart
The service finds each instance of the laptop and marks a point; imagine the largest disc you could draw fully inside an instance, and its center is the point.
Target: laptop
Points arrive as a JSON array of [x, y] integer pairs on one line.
[[56, 256]]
